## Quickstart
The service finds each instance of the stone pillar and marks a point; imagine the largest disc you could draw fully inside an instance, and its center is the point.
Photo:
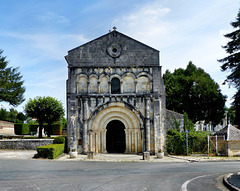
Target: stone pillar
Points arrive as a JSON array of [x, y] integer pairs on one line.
[[133, 141], [90, 139], [147, 124], [73, 137], [151, 86], [104, 142], [142, 140], [85, 136], [136, 140], [98, 87], [77, 83], [88, 89], [97, 142], [135, 84], [121, 86], [127, 140], [109, 87], [130, 140]]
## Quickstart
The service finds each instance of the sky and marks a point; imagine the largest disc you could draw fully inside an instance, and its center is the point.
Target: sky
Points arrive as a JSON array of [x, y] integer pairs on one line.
[[36, 35]]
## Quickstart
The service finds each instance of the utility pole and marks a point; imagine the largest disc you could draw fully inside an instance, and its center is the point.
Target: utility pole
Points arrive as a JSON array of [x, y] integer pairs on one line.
[[186, 131]]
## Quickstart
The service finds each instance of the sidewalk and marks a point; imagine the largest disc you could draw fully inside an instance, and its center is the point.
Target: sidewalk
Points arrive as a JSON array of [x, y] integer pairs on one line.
[[119, 158], [139, 158], [29, 154], [17, 154]]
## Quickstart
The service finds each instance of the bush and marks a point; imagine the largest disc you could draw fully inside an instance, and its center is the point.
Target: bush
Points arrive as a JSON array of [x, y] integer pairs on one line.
[[176, 142], [59, 140], [21, 129], [50, 151]]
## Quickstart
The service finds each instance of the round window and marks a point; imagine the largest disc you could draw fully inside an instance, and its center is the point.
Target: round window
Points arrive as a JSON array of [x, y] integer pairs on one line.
[[114, 50]]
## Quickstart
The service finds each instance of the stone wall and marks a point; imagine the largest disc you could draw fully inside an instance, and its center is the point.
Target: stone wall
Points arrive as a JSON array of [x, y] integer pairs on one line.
[[233, 148], [24, 144], [6, 127], [171, 116]]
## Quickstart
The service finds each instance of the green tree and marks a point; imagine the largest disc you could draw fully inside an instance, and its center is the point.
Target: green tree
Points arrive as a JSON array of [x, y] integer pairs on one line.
[[231, 114], [193, 91], [232, 63], [54, 112], [12, 115], [11, 84], [21, 117], [188, 124], [44, 109], [4, 114]]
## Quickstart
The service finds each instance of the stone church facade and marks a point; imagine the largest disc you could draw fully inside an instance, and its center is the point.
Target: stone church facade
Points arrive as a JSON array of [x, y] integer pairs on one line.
[[115, 96]]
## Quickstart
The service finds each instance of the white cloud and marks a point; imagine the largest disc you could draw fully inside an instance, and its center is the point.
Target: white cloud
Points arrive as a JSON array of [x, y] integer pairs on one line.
[[182, 35], [146, 23], [52, 46], [51, 17]]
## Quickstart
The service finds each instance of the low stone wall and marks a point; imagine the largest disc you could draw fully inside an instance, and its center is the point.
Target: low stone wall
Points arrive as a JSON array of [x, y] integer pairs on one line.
[[233, 148], [24, 144]]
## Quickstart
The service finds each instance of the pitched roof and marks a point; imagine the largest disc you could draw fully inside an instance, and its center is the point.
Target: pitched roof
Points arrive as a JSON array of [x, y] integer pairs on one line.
[[230, 132]]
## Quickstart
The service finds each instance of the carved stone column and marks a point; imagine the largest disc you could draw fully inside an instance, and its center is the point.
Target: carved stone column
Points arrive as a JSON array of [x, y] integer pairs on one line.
[[109, 87], [98, 87], [147, 124], [142, 140], [135, 85], [90, 139], [88, 88], [104, 142], [85, 136]]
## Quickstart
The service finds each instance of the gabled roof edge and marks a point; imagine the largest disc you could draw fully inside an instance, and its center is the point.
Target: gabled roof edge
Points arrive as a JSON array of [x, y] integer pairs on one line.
[[114, 31]]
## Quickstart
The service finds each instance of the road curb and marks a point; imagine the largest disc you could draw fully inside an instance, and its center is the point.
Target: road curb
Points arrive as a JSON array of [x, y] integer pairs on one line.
[[227, 184], [189, 160]]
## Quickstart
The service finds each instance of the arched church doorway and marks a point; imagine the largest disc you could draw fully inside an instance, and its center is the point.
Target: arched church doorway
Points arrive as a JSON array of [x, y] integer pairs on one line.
[[115, 138]]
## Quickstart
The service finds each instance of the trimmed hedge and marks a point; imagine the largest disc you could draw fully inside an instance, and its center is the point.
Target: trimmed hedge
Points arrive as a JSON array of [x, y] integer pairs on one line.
[[21, 129], [33, 128], [26, 129], [59, 140], [50, 151]]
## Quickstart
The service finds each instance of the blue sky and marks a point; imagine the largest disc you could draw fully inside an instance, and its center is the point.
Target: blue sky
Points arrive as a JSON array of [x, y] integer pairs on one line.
[[36, 35]]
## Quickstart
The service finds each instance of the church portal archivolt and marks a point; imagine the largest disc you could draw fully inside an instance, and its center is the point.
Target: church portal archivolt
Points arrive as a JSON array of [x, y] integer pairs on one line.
[[131, 124], [115, 96]]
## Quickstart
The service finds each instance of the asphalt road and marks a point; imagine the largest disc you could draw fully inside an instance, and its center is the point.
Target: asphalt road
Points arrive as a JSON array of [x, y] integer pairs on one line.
[[124, 176]]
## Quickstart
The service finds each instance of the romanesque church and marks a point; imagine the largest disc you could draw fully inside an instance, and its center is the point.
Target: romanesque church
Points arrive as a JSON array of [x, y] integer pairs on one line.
[[115, 96]]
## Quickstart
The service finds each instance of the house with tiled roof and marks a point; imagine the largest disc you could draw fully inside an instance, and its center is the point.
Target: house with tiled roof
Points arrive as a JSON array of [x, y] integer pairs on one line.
[[229, 132], [232, 139]]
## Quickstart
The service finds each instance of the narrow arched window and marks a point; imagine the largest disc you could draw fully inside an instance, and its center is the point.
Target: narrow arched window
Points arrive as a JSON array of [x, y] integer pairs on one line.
[[115, 86]]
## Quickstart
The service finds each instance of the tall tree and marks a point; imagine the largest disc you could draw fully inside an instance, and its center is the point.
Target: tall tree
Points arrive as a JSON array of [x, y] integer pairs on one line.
[[193, 91], [232, 63], [44, 109], [11, 83], [54, 112]]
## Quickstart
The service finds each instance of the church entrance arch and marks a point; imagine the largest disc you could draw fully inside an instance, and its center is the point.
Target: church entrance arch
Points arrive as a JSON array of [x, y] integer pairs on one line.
[[111, 122], [115, 138]]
